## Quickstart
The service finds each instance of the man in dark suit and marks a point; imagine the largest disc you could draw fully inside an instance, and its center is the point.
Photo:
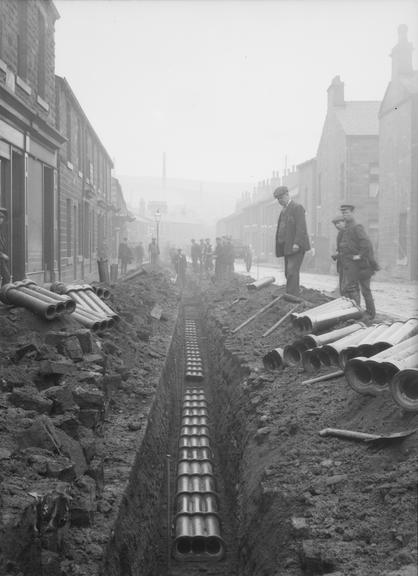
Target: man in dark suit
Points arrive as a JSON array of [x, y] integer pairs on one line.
[[291, 238]]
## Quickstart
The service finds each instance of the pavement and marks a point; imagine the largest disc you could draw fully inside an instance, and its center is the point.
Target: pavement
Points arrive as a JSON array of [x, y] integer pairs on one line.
[[398, 298]]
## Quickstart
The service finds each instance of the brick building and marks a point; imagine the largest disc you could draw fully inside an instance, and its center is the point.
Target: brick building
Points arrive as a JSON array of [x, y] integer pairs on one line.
[[398, 160], [347, 169], [85, 191], [29, 140]]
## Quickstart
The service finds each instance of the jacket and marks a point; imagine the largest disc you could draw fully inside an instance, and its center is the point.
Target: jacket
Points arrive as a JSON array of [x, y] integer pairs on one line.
[[355, 242], [293, 218]]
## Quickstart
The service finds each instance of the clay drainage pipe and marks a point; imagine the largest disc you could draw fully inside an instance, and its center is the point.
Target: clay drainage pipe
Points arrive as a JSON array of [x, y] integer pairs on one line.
[[68, 302], [404, 389], [11, 295]]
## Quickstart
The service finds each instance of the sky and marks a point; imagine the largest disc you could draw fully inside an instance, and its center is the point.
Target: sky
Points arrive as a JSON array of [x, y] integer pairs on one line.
[[230, 90]]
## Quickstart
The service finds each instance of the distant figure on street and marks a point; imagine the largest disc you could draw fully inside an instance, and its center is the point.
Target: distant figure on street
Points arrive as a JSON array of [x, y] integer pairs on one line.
[[339, 223], [292, 239], [154, 252], [202, 254], [124, 255], [248, 257], [219, 260], [139, 253], [4, 248], [208, 256], [181, 267], [195, 254], [229, 255], [358, 261]]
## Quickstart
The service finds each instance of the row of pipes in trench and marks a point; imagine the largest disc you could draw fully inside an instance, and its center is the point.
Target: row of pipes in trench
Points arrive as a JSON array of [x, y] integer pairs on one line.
[[197, 527], [86, 303], [372, 358]]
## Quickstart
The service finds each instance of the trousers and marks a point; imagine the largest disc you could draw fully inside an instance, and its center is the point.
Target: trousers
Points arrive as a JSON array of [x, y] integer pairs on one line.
[[353, 287], [292, 264]]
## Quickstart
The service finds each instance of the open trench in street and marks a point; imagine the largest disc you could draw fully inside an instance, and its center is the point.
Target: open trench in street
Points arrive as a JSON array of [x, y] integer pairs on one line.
[[174, 523]]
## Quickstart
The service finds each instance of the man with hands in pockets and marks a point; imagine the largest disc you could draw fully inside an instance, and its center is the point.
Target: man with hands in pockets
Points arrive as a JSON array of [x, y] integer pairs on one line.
[[292, 239]]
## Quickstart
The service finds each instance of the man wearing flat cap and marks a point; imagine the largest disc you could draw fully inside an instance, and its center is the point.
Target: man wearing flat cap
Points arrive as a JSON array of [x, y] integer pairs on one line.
[[291, 238], [4, 248], [357, 260]]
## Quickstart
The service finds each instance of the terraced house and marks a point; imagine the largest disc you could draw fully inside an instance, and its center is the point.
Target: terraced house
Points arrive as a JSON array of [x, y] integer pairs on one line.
[[85, 190], [56, 178], [29, 139]]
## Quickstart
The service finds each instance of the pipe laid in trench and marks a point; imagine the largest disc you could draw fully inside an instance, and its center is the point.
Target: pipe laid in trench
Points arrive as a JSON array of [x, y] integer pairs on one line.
[[197, 529]]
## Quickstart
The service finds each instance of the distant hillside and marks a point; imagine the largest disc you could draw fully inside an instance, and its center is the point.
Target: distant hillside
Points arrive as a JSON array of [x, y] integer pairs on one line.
[[208, 201]]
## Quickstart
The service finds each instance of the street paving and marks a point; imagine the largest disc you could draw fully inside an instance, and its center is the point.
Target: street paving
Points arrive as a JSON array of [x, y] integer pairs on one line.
[[398, 299]]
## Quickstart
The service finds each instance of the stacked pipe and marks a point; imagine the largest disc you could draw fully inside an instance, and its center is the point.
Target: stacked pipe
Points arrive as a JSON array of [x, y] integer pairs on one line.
[[194, 366], [326, 315], [370, 375], [28, 294], [102, 291], [90, 311], [197, 528]]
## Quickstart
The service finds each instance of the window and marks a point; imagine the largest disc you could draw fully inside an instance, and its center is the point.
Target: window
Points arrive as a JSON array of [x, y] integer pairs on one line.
[[69, 229], [319, 192], [342, 180], [68, 129], [79, 145], [403, 238], [41, 54], [373, 180], [22, 48]]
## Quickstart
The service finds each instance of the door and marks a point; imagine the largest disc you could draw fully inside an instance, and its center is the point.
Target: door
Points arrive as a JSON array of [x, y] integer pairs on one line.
[[17, 220]]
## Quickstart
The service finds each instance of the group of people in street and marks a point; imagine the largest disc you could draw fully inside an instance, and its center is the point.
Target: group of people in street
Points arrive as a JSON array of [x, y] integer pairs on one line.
[[202, 255], [128, 254], [354, 255], [224, 258]]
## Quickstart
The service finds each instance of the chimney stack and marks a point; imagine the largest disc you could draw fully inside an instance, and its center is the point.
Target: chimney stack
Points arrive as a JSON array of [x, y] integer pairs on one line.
[[402, 54], [336, 93]]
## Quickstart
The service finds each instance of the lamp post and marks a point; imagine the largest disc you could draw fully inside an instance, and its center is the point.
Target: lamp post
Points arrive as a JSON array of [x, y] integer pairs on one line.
[[157, 217]]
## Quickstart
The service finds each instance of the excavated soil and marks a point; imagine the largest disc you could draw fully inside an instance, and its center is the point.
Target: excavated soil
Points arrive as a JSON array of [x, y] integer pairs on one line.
[[87, 420]]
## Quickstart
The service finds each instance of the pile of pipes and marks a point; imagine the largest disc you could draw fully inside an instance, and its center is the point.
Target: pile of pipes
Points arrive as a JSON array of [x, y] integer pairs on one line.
[[372, 358], [39, 300], [326, 315], [91, 311]]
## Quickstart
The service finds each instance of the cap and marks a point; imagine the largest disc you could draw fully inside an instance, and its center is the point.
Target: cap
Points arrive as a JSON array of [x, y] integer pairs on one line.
[[3, 211], [347, 207], [280, 191], [338, 218]]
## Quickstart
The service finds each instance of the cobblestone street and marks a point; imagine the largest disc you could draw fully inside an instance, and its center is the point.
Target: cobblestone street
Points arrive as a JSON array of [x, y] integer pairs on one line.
[[398, 299]]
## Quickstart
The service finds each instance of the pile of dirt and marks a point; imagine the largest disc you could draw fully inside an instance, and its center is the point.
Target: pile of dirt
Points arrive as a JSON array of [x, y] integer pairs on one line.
[[73, 408], [309, 504]]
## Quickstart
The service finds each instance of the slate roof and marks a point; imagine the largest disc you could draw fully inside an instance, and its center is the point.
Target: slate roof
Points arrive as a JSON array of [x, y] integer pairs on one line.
[[359, 118]]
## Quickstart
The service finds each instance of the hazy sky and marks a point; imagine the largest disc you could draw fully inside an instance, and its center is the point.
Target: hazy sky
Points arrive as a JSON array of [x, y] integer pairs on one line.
[[227, 89]]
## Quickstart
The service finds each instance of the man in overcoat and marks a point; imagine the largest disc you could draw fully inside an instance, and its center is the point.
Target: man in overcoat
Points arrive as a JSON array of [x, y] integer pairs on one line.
[[358, 261], [292, 239]]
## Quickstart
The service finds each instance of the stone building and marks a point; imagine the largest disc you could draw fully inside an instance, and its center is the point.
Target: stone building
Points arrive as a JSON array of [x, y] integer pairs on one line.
[[29, 139], [347, 168], [398, 161], [85, 191]]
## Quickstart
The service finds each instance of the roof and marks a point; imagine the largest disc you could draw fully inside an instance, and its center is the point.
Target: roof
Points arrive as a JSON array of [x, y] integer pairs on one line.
[[359, 118]]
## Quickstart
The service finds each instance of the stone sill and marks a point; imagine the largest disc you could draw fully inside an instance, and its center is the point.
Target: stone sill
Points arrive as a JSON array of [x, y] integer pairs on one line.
[[22, 84], [42, 103]]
